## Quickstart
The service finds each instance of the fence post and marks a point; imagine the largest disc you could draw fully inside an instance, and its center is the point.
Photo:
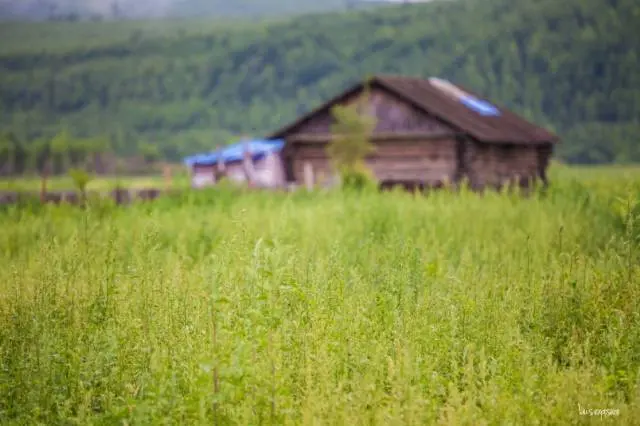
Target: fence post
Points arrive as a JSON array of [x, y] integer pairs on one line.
[[220, 166], [308, 176], [167, 178], [247, 165], [43, 183]]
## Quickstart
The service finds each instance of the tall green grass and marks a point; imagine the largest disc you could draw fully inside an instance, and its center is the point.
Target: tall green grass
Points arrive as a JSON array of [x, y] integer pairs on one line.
[[327, 308], [65, 183]]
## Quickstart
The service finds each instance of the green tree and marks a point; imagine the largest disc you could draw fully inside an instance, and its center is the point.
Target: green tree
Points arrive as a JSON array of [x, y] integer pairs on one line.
[[13, 154], [59, 148], [352, 130], [6, 156], [150, 153], [81, 179]]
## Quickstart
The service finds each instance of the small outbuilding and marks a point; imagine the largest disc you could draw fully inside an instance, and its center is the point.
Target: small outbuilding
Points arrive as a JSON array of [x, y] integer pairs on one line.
[[428, 132], [254, 162]]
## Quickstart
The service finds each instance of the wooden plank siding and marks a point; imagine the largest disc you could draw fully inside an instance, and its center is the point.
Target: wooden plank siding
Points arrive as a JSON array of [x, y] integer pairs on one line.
[[391, 114], [429, 161], [497, 165]]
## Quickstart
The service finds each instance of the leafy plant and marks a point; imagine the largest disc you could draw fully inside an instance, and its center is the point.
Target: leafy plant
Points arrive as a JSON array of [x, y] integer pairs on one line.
[[358, 178], [81, 179], [351, 144]]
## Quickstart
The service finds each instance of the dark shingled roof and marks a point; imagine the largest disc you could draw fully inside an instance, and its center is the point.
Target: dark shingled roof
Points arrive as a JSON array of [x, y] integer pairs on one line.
[[506, 127]]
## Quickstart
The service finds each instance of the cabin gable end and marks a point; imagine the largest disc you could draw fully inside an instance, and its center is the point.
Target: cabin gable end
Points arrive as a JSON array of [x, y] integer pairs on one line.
[[392, 115]]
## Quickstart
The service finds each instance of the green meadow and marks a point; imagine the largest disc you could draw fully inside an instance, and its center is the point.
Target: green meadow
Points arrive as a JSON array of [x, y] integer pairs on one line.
[[226, 307], [103, 183]]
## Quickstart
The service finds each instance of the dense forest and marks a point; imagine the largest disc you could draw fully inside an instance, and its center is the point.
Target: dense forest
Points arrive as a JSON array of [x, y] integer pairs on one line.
[[177, 87]]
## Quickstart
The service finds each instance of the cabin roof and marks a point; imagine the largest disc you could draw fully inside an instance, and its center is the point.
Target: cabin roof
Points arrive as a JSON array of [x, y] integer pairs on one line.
[[459, 107]]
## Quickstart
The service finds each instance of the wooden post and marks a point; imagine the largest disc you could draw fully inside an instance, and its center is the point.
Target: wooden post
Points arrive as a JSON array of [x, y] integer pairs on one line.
[[167, 178], [190, 173], [269, 171], [43, 183], [247, 164], [220, 166], [275, 168], [308, 176]]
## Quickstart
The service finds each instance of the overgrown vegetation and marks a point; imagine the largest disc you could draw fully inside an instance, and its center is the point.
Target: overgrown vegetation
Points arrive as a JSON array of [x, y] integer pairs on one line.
[[325, 308], [187, 87]]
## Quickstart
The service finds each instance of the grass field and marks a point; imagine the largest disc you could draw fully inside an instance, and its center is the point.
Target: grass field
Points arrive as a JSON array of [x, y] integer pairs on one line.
[[328, 308]]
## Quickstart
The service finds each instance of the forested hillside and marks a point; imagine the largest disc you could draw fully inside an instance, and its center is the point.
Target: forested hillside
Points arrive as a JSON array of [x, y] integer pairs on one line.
[[186, 86], [110, 9]]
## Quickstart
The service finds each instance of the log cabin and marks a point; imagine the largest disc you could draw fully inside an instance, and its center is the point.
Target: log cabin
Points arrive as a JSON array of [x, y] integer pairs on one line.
[[428, 132]]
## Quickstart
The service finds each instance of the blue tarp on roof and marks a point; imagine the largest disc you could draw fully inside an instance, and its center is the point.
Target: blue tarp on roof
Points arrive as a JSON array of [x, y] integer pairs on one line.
[[235, 152], [480, 106]]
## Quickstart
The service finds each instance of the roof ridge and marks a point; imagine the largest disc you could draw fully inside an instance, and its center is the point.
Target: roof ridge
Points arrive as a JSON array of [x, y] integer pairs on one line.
[[400, 77]]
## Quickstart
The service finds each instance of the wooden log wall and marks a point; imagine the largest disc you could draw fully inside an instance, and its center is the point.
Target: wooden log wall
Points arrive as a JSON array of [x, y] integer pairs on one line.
[[433, 162], [496, 165], [427, 161], [544, 157], [391, 114]]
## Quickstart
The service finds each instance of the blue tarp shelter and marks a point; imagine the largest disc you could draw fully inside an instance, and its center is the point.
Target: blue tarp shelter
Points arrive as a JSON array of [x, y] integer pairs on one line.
[[235, 152]]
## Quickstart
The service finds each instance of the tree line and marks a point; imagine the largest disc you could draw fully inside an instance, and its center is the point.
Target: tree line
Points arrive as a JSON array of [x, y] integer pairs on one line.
[[187, 88], [63, 152]]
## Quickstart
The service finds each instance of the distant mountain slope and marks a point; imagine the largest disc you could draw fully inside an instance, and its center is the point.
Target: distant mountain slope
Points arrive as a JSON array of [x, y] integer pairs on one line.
[[252, 8], [43, 9], [269, 8], [572, 65]]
